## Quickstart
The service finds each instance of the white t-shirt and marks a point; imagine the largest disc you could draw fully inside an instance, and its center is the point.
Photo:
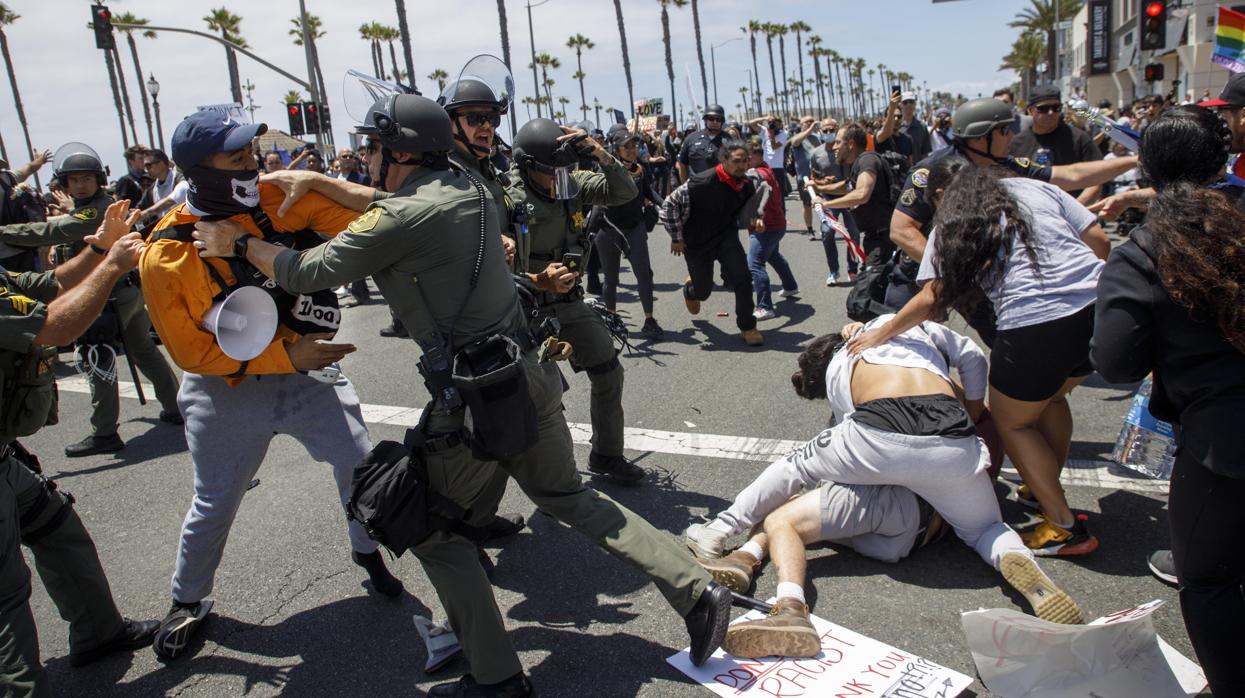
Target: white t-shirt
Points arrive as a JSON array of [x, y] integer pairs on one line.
[[929, 345], [774, 156], [180, 191], [1066, 279]]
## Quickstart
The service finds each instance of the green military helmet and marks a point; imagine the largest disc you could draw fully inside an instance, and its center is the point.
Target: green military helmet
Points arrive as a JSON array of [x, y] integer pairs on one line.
[[537, 148], [412, 124], [78, 157], [979, 117]]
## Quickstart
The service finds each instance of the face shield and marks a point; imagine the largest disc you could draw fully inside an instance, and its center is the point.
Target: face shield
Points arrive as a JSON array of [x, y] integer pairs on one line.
[[360, 91], [482, 71], [69, 157]]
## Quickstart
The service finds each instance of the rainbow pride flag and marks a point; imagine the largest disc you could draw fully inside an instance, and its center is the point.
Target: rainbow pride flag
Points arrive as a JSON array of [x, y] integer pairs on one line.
[[1230, 41]]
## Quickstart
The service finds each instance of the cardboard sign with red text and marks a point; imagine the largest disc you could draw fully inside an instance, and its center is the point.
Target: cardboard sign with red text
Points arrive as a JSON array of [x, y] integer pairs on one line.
[[849, 665]]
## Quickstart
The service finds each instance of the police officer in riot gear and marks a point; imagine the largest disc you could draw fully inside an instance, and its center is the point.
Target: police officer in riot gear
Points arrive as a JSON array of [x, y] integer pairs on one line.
[[435, 251], [549, 195], [700, 150], [80, 172], [38, 312]]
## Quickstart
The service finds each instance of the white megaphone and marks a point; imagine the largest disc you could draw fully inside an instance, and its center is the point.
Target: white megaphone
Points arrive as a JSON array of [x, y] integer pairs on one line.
[[244, 323]]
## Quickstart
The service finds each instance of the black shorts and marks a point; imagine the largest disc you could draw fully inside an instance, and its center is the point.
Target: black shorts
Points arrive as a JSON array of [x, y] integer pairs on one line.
[[1032, 363]]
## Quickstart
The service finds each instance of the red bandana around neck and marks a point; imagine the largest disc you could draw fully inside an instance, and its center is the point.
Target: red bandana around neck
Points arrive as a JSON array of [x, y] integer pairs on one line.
[[729, 180]]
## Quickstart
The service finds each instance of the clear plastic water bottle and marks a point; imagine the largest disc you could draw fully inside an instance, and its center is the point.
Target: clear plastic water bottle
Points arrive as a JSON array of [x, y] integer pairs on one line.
[[1146, 444]]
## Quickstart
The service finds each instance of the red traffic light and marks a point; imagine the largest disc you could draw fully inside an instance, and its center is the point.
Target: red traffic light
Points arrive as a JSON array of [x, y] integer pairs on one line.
[[1155, 9], [311, 108], [293, 109]]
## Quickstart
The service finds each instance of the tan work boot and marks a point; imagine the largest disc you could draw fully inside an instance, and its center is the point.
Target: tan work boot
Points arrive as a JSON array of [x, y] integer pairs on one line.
[[752, 337], [1049, 602], [733, 571], [786, 632], [693, 305]]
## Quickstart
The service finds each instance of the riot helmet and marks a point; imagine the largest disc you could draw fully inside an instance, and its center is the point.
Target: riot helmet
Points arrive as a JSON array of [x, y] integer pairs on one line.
[[715, 110], [537, 148], [980, 118], [411, 124], [360, 91], [484, 81], [78, 157]]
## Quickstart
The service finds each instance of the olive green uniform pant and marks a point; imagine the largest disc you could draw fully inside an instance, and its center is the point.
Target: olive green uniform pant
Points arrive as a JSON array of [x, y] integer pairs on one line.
[[547, 474], [135, 329], [594, 353], [67, 563]]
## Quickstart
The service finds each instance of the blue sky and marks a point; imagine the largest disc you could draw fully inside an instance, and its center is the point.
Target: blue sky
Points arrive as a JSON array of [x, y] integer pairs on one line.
[[954, 46]]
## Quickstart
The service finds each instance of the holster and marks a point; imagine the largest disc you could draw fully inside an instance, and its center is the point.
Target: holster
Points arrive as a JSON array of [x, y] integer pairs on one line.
[[492, 380]]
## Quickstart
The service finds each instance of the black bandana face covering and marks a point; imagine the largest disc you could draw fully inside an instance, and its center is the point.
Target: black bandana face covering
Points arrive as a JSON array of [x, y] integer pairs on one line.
[[223, 192]]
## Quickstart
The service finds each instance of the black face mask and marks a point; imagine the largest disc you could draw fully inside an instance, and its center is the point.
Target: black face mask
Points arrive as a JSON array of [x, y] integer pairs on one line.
[[223, 192]]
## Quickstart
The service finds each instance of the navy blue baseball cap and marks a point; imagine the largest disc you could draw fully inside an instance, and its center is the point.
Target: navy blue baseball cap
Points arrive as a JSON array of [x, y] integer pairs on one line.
[[204, 133]]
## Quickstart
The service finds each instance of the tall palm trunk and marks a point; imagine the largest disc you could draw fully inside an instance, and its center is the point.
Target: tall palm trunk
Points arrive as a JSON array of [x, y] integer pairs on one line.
[[756, 72], [400, 5], [622, 35], [505, 51], [17, 102], [393, 60], [799, 57], [125, 91], [116, 97], [380, 57], [700, 52], [583, 98], [782, 57], [773, 79], [231, 60], [665, 36], [375, 64], [142, 88], [821, 110]]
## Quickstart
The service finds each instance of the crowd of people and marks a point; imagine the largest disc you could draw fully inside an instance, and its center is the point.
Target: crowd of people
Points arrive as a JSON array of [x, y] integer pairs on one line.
[[502, 261]]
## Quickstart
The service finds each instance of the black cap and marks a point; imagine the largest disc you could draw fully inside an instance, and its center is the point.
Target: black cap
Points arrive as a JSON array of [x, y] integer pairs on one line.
[[1233, 94], [1044, 93]]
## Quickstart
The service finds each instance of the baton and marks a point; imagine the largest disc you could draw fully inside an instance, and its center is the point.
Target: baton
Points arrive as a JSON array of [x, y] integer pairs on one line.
[[741, 601], [138, 385]]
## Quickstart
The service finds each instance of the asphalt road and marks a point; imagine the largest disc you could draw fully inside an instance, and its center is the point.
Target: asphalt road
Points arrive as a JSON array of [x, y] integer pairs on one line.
[[293, 617]]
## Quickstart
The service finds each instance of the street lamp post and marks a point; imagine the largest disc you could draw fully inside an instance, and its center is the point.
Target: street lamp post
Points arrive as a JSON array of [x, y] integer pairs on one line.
[[596, 105], [531, 37], [713, 62], [153, 87]]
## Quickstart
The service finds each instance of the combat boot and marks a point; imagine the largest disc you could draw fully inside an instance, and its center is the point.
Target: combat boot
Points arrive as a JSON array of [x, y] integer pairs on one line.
[[734, 571], [786, 632], [517, 686]]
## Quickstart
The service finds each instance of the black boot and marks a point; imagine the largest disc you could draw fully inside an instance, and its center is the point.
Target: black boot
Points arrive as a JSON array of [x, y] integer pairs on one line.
[[135, 634], [502, 526], [517, 686], [92, 445], [707, 622], [382, 581], [616, 467]]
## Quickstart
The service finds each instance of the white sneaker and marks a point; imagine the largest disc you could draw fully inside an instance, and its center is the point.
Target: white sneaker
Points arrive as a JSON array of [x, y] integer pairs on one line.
[[705, 542], [789, 294], [341, 291], [832, 280], [764, 314]]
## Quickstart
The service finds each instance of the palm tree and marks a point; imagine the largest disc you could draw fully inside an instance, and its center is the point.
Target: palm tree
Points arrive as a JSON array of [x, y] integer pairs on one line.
[[799, 27], [743, 94], [370, 32], [700, 53], [622, 35], [751, 30], [129, 18], [579, 42], [1028, 52], [872, 107], [292, 97], [125, 90], [1040, 17], [781, 30], [405, 33], [228, 24], [527, 101], [390, 35], [505, 48], [8, 17], [814, 52], [665, 37], [771, 30], [546, 63], [439, 76], [563, 100], [313, 29]]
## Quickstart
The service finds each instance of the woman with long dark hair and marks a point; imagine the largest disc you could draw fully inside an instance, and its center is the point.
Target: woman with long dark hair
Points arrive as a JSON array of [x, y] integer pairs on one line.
[[1171, 301], [1035, 254]]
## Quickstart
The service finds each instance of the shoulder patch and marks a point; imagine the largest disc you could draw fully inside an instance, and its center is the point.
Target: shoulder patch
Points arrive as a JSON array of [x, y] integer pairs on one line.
[[21, 304], [89, 213], [908, 197], [920, 177], [366, 222], [1024, 163]]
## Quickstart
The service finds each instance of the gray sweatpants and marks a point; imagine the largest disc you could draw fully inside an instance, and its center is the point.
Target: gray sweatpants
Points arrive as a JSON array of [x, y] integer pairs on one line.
[[228, 431], [948, 473]]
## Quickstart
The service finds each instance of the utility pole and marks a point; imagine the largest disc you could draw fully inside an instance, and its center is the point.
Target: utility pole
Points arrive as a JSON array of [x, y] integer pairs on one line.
[[312, 87], [250, 100]]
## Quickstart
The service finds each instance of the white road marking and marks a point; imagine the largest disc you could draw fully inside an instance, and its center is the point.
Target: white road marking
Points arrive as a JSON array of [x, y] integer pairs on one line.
[[1082, 473]]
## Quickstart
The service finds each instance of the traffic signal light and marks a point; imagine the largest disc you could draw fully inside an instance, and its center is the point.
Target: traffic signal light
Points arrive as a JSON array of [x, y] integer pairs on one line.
[[295, 111], [101, 23], [325, 124], [311, 116], [1154, 72], [1154, 25]]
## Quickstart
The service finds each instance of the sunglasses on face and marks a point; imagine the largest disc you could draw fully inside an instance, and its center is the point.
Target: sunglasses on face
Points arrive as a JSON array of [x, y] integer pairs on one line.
[[714, 118], [829, 130], [347, 156], [479, 118], [149, 165], [1049, 109]]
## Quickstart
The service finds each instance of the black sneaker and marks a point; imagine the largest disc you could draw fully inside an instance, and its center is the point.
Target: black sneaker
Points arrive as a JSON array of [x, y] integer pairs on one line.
[[382, 580], [517, 686], [651, 330], [707, 622], [173, 417], [502, 526], [617, 468], [93, 445], [1163, 566], [135, 634], [394, 330], [178, 627]]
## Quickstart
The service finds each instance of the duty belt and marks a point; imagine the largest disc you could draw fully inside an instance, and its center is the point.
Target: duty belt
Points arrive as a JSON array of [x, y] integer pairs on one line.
[[548, 298]]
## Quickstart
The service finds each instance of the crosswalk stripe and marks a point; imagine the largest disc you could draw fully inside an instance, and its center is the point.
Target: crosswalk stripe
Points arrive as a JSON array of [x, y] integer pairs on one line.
[[1082, 473]]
